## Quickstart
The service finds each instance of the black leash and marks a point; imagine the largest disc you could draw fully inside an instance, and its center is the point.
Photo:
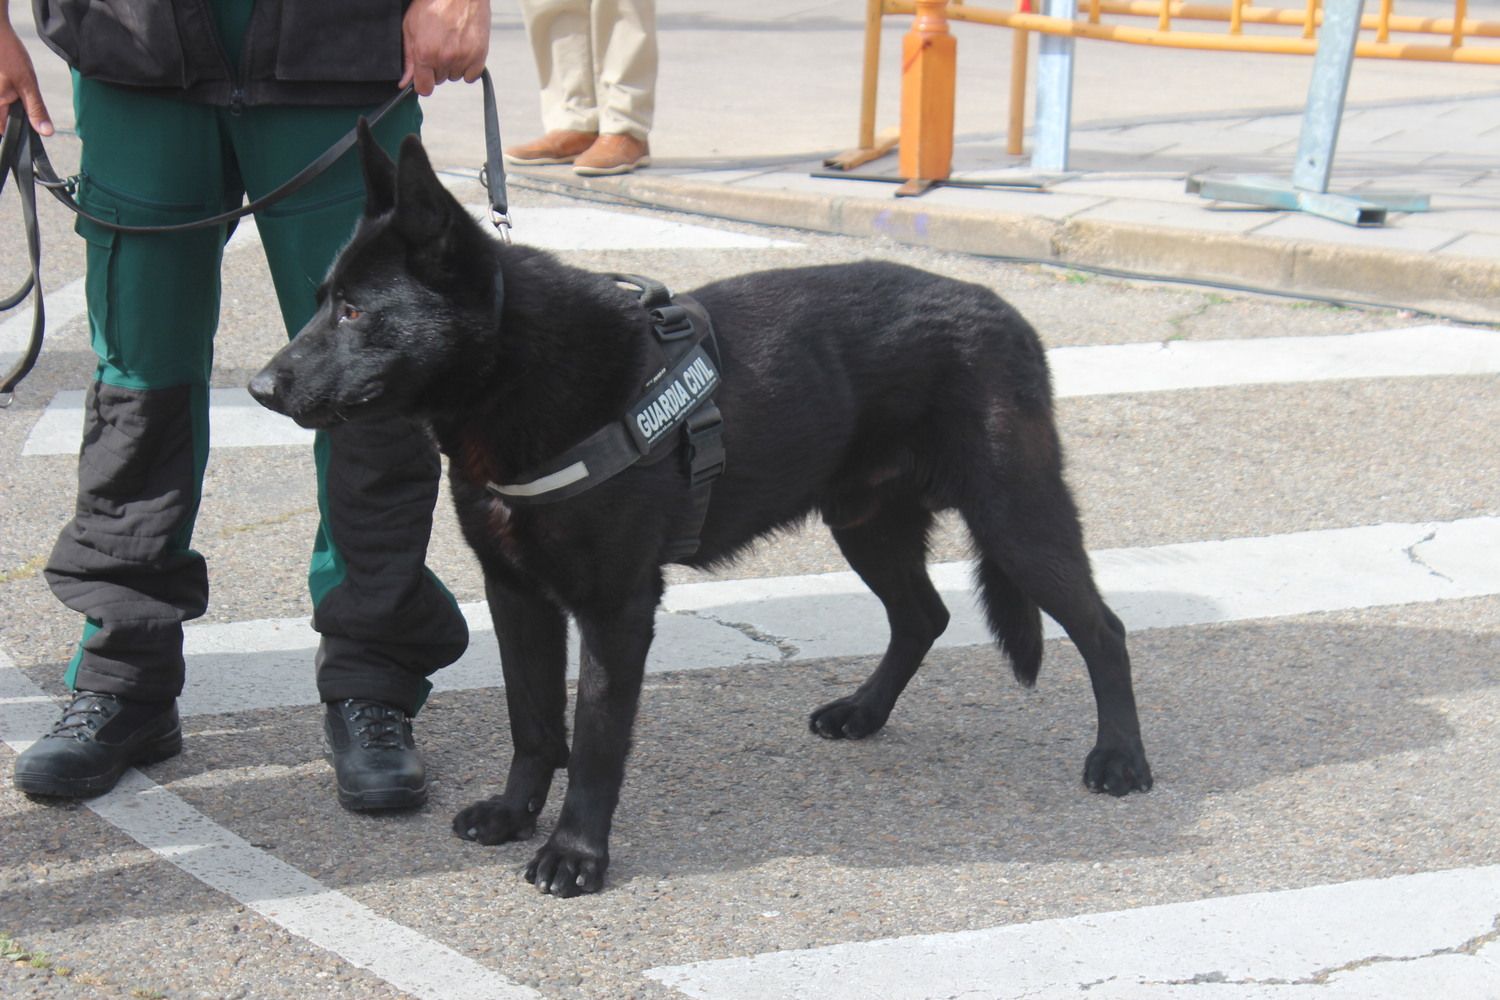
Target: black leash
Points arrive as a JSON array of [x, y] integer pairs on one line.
[[23, 157]]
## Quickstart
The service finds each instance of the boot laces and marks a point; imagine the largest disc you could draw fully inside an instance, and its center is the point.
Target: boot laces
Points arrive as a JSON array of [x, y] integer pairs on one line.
[[379, 727], [84, 714]]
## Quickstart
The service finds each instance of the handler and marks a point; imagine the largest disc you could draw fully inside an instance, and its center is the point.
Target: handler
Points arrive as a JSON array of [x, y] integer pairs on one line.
[[183, 108]]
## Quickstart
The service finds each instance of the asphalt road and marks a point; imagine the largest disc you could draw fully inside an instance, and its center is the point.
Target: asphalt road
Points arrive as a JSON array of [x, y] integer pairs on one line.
[[1347, 732]]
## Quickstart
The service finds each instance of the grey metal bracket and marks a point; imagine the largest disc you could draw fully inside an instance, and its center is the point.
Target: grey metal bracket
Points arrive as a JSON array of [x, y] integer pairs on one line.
[[1368, 209], [1307, 191]]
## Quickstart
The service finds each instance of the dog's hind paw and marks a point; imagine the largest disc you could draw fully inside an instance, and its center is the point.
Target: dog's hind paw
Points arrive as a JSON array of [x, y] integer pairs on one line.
[[846, 719], [564, 871], [494, 821], [1117, 771]]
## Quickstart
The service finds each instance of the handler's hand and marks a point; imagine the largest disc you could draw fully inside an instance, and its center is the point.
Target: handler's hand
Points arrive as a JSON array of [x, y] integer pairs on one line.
[[444, 40], [18, 79]]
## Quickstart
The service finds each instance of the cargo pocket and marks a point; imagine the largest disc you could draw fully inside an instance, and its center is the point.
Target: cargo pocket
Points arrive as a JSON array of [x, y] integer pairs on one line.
[[132, 42], [153, 298], [367, 47], [99, 282]]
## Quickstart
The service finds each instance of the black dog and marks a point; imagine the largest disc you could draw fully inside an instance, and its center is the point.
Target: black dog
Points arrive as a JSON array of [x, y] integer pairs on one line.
[[871, 393]]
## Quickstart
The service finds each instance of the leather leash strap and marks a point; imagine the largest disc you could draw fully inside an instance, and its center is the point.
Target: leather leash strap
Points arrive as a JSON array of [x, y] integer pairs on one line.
[[23, 157]]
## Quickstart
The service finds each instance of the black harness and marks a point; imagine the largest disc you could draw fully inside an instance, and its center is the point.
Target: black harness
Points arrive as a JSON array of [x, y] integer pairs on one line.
[[675, 413]]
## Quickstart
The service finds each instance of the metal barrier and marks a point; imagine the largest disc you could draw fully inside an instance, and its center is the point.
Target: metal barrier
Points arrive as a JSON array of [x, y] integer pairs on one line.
[[1367, 36]]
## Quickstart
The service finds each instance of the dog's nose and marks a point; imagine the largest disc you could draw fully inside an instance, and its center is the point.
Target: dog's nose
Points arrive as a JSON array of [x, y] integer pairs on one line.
[[263, 388]]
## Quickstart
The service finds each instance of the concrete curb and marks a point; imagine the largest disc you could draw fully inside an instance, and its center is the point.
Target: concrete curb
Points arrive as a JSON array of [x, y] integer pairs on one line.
[[1461, 288]]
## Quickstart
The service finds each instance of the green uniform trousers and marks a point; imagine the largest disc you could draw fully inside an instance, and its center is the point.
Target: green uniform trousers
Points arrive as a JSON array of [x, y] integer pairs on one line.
[[125, 560]]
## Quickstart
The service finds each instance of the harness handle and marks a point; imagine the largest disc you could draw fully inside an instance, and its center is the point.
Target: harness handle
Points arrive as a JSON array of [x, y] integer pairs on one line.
[[23, 156]]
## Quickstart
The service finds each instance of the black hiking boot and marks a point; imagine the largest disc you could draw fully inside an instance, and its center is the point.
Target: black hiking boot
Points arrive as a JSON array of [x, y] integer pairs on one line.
[[97, 739], [374, 756]]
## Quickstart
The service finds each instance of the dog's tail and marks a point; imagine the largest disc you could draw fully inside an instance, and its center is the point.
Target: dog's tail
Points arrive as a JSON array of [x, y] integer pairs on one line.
[[1014, 619]]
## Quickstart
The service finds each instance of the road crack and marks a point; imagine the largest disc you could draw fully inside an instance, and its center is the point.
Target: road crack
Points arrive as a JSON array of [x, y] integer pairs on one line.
[[785, 649], [1322, 976], [1417, 560]]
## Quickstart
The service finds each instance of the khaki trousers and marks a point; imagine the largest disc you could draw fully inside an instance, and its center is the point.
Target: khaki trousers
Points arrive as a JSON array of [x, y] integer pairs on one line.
[[596, 60]]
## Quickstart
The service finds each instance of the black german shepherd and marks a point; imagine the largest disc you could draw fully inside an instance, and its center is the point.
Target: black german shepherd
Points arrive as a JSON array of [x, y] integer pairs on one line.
[[870, 393]]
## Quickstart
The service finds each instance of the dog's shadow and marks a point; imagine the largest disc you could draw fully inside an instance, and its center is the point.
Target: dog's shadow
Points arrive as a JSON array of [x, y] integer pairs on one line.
[[971, 768]]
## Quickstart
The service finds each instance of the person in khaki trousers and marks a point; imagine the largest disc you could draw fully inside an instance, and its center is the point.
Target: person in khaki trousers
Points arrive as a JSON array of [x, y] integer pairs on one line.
[[596, 60]]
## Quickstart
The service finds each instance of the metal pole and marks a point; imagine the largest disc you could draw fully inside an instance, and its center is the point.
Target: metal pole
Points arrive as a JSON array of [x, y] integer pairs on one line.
[[1325, 95], [1054, 93]]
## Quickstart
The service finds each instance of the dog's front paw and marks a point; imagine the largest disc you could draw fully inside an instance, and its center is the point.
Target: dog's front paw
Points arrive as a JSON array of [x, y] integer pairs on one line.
[[1117, 770], [494, 821], [563, 868], [846, 719]]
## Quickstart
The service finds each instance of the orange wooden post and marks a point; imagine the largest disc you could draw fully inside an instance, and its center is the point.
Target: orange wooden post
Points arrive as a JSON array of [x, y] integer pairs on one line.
[[1019, 52], [929, 63]]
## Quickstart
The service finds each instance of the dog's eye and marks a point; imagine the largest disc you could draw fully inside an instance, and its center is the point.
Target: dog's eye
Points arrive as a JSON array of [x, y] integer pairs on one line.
[[348, 312]]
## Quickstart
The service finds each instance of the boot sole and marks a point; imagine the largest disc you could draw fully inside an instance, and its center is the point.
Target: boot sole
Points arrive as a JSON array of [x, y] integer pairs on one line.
[[382, 799], [163, 747], [374, 799]]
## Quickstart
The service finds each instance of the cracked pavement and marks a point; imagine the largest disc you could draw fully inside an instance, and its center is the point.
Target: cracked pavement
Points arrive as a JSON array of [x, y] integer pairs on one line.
[[1308, 572]]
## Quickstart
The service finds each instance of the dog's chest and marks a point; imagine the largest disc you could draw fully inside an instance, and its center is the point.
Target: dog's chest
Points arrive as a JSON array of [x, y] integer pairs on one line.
[[499, 533], [473, 459]]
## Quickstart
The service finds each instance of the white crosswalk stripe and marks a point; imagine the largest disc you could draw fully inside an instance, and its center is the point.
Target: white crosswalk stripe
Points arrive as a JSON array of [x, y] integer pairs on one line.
[[249, 665], [1433, 933], [174, 830], [237, 422]]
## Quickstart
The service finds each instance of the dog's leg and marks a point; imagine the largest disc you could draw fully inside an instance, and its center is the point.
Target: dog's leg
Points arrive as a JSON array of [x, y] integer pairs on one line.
[[533, 657], [1031, 544], [616, 641], [889, 552]]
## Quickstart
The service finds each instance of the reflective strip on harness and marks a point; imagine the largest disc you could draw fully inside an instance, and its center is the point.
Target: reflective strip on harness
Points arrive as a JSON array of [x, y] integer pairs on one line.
[[675, 411], [577, 472]]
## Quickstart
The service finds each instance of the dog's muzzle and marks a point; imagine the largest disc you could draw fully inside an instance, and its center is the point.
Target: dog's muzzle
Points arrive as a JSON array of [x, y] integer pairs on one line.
[[265, 389]]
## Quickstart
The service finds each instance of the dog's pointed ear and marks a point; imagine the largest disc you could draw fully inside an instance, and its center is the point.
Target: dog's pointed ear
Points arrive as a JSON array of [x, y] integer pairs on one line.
[[423, 205], [380, 172]]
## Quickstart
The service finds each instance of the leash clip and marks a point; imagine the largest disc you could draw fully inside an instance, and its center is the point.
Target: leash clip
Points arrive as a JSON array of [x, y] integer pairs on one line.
[[67, 185], [501, 221], [6, 398], [499, 217]]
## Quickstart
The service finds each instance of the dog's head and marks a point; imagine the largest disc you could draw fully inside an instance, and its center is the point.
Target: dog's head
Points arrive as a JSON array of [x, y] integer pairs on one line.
[[400, 308]]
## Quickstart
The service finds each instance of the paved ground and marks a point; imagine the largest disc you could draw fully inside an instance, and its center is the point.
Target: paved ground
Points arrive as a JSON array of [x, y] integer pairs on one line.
[[1300, 538]]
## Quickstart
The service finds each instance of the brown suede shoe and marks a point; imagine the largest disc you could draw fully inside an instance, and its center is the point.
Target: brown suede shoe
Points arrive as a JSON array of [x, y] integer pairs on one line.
[[558, 146], [613, 154]]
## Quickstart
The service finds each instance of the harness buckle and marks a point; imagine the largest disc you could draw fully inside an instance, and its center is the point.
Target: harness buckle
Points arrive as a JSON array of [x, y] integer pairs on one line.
[[671, 322], [705, 445]]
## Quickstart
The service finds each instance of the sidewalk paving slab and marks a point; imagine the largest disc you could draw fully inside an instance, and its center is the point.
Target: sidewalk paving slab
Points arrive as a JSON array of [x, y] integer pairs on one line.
[[1124, 205]]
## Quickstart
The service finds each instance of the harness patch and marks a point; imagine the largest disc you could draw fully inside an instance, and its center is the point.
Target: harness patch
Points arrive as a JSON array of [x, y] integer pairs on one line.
[[691, 381]]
